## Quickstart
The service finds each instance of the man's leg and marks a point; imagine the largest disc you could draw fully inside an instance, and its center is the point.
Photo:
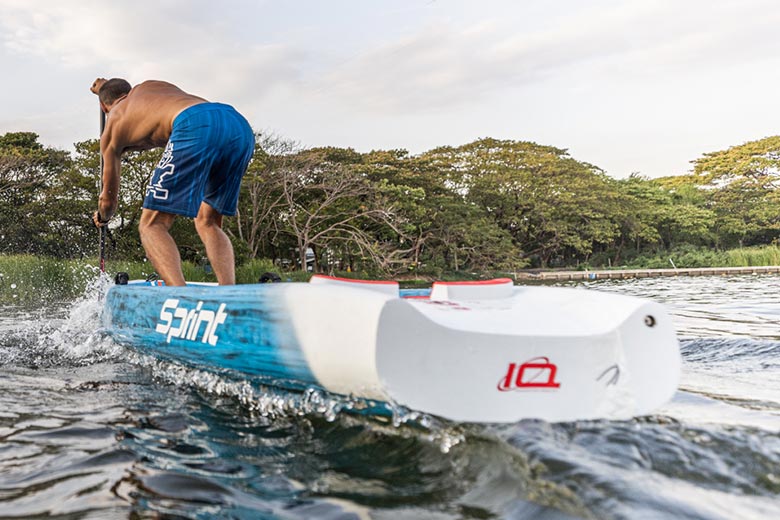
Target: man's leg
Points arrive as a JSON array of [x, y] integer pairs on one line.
[[159, 245], [219, 250]]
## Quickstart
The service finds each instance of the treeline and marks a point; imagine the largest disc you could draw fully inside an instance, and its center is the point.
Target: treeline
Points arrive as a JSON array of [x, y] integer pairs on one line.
[[490, 205]]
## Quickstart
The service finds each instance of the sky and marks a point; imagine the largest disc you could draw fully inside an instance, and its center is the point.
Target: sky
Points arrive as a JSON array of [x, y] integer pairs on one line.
[[639, 86]]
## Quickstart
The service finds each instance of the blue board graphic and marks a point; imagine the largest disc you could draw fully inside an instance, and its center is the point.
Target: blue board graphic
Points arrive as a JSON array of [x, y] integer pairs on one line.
[[243, 327]]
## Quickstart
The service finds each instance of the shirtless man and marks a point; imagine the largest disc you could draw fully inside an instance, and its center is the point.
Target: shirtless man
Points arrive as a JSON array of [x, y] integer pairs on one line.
[[207, 149]]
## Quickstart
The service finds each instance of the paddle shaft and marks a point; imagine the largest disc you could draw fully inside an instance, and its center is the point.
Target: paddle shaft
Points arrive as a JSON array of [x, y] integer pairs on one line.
[[103, 229]]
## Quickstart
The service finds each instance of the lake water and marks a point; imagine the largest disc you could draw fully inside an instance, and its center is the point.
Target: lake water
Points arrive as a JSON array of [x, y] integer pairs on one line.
[[92, 429]]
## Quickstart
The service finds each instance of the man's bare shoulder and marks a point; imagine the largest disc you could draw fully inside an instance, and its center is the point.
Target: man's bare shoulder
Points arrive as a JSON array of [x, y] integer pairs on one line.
[[156, 85]]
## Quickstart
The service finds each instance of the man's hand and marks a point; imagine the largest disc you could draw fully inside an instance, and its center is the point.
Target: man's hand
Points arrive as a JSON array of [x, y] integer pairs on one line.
[[99, 220], [95, 88]]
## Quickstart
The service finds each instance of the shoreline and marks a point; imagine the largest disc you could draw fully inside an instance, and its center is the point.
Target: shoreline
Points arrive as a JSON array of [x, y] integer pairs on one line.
[[619, 274]]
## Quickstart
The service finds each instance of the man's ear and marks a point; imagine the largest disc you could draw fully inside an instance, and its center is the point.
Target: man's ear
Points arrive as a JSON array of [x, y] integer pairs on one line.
[[103, 107]]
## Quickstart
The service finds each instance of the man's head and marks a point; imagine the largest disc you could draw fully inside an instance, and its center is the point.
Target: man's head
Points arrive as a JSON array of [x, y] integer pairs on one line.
[[112, 90]]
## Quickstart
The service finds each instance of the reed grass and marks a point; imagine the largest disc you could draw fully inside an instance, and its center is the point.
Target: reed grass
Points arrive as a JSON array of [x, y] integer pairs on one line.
[[689, 257], [753, 256]]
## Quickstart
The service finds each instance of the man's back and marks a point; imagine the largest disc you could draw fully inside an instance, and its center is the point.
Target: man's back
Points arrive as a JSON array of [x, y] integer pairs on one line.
[[144, 118]]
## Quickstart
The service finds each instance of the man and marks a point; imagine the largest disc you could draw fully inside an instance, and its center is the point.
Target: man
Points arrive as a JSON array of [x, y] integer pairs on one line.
[[207, 149]]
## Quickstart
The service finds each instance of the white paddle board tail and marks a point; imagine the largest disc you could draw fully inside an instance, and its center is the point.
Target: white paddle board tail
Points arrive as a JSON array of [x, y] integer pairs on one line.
[[548, 353]]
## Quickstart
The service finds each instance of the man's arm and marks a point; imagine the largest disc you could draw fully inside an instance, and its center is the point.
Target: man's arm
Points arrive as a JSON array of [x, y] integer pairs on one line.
[[112, 161]]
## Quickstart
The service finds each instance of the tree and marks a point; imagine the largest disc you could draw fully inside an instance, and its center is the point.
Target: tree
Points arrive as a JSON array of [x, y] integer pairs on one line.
[[758, 161], [443, 230], [550, 204], [743, 182], [663, 212], [33, 185], [262, 196], [329, 205]]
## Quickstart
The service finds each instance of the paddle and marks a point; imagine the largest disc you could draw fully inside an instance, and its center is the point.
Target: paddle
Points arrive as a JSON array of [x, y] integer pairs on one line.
[[103, 229]]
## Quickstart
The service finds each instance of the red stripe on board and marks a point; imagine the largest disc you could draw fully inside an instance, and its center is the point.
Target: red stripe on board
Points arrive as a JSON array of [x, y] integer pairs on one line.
[[351, 280], [495, 281]]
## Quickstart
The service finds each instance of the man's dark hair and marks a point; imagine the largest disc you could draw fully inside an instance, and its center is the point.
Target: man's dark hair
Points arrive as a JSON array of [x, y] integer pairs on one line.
[[113, 89]]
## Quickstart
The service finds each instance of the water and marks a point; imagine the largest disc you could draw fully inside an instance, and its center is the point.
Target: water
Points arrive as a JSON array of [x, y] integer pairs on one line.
[[91, 429]]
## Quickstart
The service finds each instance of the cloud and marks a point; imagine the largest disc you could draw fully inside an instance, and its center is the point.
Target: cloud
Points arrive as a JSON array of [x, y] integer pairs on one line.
[[178, 40], [438, 66], [444, 64]]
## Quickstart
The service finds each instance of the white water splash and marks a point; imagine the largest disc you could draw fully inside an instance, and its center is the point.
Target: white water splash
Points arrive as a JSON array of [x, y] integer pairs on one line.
[[273, 403], [62, 336], [77, 337], [266, 402]]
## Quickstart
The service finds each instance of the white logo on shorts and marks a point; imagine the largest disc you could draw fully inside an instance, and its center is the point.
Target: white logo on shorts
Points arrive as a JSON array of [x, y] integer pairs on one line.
[[166, 164]]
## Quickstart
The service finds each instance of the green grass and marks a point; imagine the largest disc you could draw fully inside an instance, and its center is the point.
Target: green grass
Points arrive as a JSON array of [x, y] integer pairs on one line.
[[753, 256], [251, 271], [142, 270], [691, 257], [29, 279]]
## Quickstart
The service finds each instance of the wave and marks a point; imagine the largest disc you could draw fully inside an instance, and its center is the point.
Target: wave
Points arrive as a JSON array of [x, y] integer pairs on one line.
[[719, 350]]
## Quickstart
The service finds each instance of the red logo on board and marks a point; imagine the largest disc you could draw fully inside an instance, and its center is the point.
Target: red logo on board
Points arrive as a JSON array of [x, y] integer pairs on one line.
[[534, 373]]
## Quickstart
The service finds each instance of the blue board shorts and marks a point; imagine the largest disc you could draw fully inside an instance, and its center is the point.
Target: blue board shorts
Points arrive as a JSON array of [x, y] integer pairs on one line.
[[204, 161]]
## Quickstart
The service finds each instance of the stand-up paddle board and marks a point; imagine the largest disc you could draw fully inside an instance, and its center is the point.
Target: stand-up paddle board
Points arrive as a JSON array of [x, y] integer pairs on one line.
[[467, 351]]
